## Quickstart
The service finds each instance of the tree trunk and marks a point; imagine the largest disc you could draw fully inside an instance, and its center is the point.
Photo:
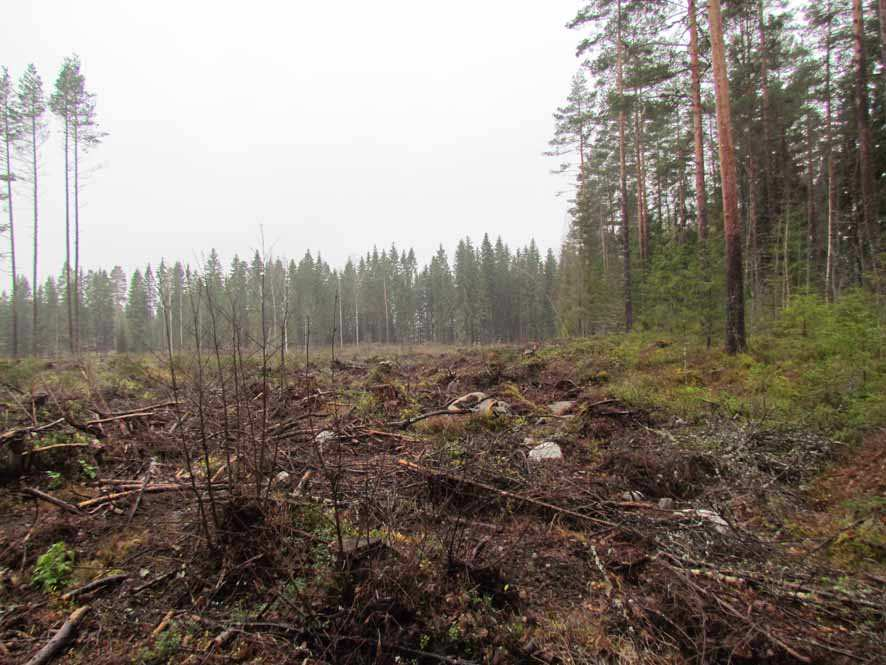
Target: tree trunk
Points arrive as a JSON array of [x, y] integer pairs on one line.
[[14, 320], [76, 236], [34, 281], [701, 206], [812, 253], [68, 298], [829, 164], [881, 6], [869, 232], [642, 221], [735, 328], [765, 213], [623, 180]]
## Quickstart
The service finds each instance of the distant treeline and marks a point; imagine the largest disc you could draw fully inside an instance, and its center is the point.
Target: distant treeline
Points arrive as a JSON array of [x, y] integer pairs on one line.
[[487, 293]]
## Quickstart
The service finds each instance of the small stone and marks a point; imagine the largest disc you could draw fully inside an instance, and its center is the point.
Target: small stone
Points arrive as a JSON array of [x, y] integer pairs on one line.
[[721, 526], [493, 407], [324, 436], [666, 503], [561, 408], [467, 402], [546, 451]]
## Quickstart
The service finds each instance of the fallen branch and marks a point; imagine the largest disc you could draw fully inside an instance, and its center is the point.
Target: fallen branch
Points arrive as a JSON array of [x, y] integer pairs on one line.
[[61, 638], [156, 580], [95, 584], [56, 446], [48, 498], [164, 624], [403, 424], [504, 493], [20, 432], [119, 495], [122, 416], [140, 410]]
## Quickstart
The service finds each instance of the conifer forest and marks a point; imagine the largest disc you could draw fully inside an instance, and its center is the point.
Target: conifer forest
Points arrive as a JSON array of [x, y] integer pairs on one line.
[[661, 440]]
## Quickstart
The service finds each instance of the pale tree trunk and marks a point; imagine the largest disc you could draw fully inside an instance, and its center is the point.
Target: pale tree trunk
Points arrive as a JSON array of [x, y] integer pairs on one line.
[[881, 7], [829, 165], [735, 328], [765, 215], [701, 199], [642, 219], [34, 280], [7, 138], [76, 236], [68, 297], [623, 179], [812, 253], [869, 232], [701, 205]]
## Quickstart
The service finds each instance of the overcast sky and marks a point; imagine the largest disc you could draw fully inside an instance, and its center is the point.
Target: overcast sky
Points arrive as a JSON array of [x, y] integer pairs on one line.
[[335, 125]]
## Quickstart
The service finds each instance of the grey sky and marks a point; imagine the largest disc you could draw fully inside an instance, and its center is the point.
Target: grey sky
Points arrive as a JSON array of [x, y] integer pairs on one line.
[[336, 125]]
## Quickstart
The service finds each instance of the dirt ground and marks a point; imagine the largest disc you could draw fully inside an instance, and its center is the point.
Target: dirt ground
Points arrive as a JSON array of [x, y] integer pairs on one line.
[[324, 515]]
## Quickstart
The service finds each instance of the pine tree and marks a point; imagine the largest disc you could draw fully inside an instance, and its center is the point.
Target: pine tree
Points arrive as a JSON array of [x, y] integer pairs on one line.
[[735, 328], [31, 103], [10, 129]]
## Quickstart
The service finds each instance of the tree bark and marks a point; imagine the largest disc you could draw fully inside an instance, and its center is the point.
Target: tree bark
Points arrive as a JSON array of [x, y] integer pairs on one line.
[[36, 245], [829, 164], [7, 138], [735, 326], [622, 175], [701, 206], [881, 7], [76, 234], [869, 232], [812, 252], [68, 297]]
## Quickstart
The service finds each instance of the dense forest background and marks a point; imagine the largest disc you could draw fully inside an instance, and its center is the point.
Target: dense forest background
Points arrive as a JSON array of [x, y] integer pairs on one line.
[[638, 139]]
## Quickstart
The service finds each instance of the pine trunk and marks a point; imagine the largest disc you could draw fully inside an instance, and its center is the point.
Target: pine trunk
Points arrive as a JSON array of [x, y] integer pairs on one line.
[[701, 206], [68, 297], [868, 234], [76, 236], [34, 281], [623, 179], [735, 327], [829, 165], [7, 137]]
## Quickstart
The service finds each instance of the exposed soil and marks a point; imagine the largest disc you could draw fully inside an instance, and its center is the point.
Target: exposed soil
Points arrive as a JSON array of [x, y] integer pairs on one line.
[[335, 525]]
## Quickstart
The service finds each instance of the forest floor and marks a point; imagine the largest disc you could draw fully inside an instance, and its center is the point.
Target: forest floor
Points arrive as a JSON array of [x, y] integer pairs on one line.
[[693, 514]]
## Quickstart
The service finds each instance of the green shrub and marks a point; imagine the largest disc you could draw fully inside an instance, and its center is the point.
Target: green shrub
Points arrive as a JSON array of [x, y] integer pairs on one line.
[[53, 568]]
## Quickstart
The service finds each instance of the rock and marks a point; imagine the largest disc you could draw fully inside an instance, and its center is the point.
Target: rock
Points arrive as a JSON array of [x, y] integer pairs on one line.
[[561, 408], [721, 526], [632, 495], [467, 402], [666, 503], [324, 436], [546, 451], [493, 407]]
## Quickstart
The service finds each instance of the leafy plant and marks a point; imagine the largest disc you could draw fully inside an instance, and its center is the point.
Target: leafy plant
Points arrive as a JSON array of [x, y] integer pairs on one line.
[[55, 479], [167, 645], [54, 567], [88, 470]]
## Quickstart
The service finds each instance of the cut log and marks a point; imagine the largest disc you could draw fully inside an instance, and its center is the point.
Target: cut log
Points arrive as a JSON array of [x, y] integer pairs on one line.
[[61, 638], [48, 498], [95, 584]]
